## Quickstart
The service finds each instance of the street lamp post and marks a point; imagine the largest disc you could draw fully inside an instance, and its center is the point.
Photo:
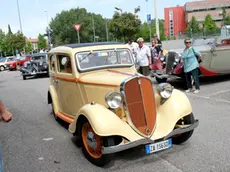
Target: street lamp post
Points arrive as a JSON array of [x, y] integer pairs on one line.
[[19, 16], [48, 30], [156, 16], [149, 21], [106, 27]]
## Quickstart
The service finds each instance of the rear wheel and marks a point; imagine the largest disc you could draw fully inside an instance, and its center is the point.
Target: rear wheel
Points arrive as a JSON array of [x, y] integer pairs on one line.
[[181, 138], [92, 145], [24, 77]]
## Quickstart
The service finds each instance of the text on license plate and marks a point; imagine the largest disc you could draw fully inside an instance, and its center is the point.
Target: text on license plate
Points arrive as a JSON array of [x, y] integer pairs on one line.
[[155, 147]]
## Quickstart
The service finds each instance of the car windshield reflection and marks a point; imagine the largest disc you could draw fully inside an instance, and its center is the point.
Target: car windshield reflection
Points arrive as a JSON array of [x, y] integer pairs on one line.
[[43, 58], [199, 42], [104, 59]]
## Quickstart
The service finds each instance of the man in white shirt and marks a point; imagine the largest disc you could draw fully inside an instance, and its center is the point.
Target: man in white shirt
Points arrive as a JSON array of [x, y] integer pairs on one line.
[[143, 55]]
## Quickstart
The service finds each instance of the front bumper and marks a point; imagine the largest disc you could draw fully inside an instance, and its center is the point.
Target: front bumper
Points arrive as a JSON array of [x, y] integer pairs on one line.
[[122, 147], [34, 73]]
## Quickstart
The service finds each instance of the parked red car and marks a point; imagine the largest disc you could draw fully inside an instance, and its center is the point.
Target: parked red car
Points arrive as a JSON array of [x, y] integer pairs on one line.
[[23, 59], [12, 64]]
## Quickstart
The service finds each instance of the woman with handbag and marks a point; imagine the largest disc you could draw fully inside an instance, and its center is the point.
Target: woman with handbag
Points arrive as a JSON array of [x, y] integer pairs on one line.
[[191, 59]]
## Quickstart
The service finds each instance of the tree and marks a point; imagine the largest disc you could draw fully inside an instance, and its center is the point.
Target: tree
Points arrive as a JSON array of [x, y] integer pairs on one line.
[[42, 43], [9, 30], [194, 26], [125, 25], [210, 25], [226, 18], [63, 31], [29, 47]]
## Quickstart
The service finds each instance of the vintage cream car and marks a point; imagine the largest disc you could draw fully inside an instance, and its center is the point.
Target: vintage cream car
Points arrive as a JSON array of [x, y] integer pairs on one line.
[[110, 107]]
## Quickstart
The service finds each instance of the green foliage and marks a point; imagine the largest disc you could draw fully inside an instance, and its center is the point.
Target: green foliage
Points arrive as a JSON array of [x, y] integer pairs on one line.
[[42, 43], [124, 25], [226, 17], [63, 31], [144, 30], [193, 26], [210, 25], [28, 47]]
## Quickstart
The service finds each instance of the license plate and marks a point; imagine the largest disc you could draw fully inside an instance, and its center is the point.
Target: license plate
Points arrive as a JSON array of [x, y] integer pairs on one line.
[[155, 147]]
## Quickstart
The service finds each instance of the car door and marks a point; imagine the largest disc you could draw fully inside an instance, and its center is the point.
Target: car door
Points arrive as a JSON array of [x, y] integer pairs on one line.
[[220, 59], [67, 86]]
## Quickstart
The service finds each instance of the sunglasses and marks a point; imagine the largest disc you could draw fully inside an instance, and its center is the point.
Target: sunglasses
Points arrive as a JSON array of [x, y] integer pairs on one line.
[[188, 42]]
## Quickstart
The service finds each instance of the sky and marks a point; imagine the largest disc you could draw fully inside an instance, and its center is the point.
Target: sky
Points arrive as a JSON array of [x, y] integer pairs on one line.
[[34, 17]]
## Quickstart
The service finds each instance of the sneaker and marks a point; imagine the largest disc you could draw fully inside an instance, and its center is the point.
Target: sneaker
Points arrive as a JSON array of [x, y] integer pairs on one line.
[[189, 90], [196, 91]]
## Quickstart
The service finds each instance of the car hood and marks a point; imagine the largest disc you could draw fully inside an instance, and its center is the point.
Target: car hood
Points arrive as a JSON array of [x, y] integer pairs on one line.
[[112, 77], [199, 48]]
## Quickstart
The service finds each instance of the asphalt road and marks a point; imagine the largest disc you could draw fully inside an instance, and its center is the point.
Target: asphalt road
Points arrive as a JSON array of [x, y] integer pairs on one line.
[[34, 142]]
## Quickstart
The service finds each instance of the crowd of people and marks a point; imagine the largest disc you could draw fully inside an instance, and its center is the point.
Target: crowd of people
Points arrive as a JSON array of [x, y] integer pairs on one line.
[[145, 56]]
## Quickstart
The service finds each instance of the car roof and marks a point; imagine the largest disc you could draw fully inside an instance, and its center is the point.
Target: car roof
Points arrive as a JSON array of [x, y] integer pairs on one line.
[[90, 44], [38, 54]]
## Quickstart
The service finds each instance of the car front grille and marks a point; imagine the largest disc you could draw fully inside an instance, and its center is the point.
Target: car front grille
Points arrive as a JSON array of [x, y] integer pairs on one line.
[[140, 103]]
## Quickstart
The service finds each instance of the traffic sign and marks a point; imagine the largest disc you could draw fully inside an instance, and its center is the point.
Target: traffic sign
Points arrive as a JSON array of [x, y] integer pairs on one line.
[[77, 27], [149, 17]]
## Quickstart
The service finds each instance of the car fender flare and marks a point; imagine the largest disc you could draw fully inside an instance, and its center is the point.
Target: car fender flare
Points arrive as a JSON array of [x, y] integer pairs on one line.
[[103, 121], [53, 98]]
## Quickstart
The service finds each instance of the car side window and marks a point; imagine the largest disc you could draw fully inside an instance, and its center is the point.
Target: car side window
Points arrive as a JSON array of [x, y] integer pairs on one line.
[[64, 64], [52, 63]]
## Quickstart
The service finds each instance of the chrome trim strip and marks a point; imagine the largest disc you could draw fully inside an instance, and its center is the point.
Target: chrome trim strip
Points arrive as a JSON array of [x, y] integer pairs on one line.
[[144, 141]]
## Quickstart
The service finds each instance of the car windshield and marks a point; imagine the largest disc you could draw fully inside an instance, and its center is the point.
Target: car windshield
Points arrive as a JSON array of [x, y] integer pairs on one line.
[[104, 59], [22, 58], [40, 57]]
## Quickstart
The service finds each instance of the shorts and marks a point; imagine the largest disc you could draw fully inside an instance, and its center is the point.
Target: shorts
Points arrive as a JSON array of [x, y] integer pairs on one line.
[[144, 70]]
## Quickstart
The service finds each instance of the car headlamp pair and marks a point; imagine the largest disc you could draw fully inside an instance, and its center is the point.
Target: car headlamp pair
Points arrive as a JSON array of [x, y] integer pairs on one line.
[[114, 100], [165, 90]]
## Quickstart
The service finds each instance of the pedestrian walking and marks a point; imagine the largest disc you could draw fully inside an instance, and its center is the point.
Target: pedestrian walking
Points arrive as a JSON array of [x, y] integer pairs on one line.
[[143, 56], [191, 66]]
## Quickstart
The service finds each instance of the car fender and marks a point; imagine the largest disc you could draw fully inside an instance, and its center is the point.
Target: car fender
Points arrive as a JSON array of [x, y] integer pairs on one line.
[[54, 98], [170, 112], [104, 122]]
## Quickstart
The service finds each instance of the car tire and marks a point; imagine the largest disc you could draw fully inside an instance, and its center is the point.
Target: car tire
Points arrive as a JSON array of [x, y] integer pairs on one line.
[[181, 138], [94, 156], [2, 68], [161, 80], [24, 77]]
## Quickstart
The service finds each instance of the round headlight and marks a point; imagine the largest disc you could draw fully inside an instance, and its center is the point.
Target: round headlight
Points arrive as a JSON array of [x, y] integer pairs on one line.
[[113, 99], [165, 90]]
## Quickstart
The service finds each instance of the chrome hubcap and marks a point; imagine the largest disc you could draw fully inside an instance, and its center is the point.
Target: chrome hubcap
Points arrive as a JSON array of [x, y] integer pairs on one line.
[[91, 140]]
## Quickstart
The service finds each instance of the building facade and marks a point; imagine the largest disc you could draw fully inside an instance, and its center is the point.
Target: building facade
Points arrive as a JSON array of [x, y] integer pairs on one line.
[[177, 18], [200, 9], [175, 23]]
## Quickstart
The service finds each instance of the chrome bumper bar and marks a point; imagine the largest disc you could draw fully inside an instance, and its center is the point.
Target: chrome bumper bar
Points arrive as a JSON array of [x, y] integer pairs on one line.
[[122, 147]]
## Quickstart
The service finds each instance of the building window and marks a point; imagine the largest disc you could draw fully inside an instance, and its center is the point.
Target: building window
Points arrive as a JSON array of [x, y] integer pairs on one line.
[[171, 25]]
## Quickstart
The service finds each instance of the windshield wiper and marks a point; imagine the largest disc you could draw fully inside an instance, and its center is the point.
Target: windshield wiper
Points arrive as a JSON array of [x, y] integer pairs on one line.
[[85, 57]]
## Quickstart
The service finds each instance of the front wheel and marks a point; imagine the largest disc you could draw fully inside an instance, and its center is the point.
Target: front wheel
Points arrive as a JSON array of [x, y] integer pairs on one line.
[[161, 80], [2, 68], [92, 145], [181, 138], [24, 77]]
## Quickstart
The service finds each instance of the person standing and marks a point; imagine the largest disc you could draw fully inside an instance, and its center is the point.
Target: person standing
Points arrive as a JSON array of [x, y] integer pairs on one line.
[[143, 56], [133, 46], [191, 66], [155, 38]]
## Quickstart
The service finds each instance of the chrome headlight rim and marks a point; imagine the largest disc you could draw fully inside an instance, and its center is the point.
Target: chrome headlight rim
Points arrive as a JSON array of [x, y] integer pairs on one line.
[[165, 90], [113, 100]]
